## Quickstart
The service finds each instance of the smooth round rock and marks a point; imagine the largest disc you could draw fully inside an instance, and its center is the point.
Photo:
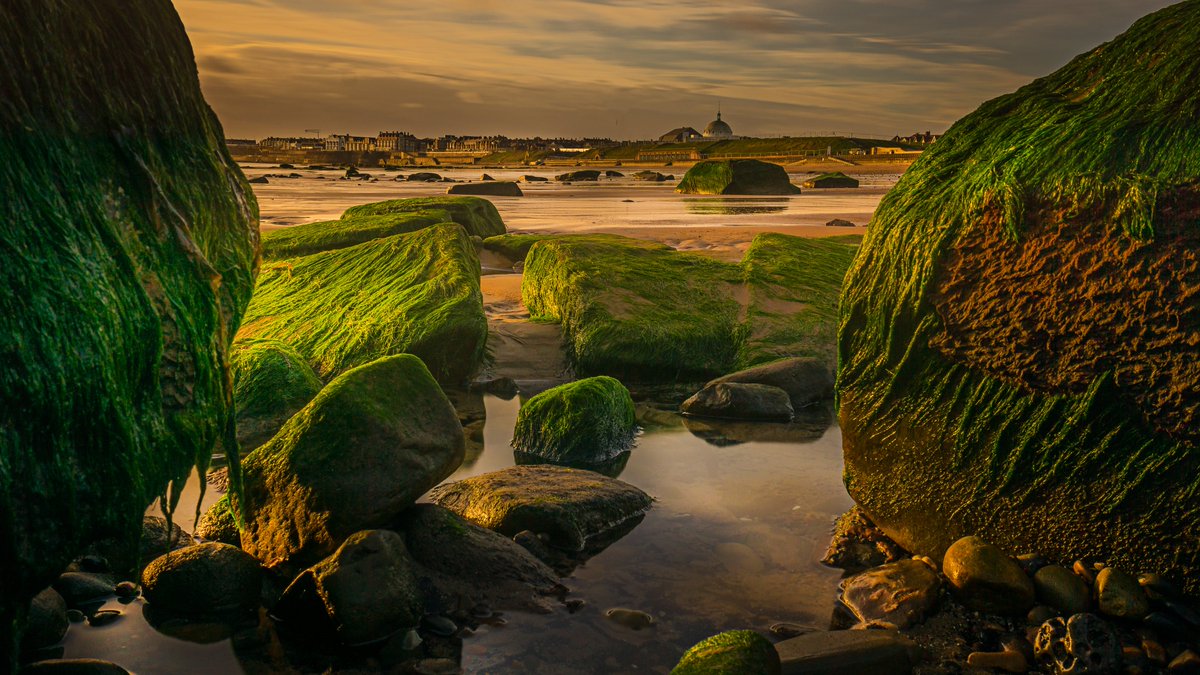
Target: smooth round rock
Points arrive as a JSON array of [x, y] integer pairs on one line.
[[738, 652], [47, 622], [79, 588], [1062, 589], [986, 579], [630, 618], [1120, 595], [202, 579]]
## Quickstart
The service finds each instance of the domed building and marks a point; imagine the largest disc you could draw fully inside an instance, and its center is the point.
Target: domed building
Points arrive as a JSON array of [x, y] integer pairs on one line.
[[718, 128]]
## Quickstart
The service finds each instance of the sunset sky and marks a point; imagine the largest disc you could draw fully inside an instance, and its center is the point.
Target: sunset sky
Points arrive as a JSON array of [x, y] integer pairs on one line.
[[628, 69]]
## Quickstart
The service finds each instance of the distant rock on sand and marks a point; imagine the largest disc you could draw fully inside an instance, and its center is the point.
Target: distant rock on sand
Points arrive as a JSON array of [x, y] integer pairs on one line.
[[582, 175], [832, 180], [491, 188], [838, 222], [736, 177]]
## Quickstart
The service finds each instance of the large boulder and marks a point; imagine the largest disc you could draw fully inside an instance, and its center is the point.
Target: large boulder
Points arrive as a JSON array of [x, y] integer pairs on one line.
[[415, 293], [501, 188], [580, 424], [371, 443], [806, 380], [736, 177], [203, 579], [1018, 334], [271, 382], [129, 239], [736, 400], [569, 506]]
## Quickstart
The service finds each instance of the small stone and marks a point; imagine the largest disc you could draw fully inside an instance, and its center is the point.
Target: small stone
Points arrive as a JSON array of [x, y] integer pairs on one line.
[[481, 611], [1187, 662], [986, 579], [630, 618], [75, 616], [1155, 652], [784, 630], [103, 617], [1084, 571], [1062, 589], [412, 640], [1119, 595], [1031, 563], [1010, 661], [573, 605], [127, 589], [94, 563], [78, 588], [1084, 644], [1159, 584], [438, 625], [1040, 615]]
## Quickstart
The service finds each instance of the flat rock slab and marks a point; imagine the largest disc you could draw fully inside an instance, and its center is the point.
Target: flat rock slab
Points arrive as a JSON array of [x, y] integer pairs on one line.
[[568, 505], [900, 593], [847, 652]]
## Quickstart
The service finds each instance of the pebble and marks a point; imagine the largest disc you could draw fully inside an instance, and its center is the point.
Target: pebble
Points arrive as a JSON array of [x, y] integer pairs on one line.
[[784, 630], [1010, 661], [1186, 662], [1040, 615], [103, 617], [1155, 652], [481, 611], [411, 640], [1119, 595], [630, 618], [986, 579], [1031, 563], [75, 616], [127, 589], [574, 604], [438, 625], [1080, 639], [1084, 571], [77, 588], [1159, 584], [1062, 589], [93, 563]]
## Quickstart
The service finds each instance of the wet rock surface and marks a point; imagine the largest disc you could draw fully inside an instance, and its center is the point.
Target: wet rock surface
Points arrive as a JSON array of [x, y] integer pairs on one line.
[[1082, 644], [742, 651], [986, 579], [806, 380], [203, 579], [880, 652], [899, 594], [735, 400]]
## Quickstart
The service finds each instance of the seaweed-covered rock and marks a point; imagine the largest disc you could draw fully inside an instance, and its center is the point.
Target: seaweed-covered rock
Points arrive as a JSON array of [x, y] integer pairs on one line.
[[362, 593], [414, 293], [499, 188], [513, 246], [806, 380], [1018, 333], [651, 176], [737, 400], [642, 311], [423, 177], [310, 238], [578, 176], [736, 177], [270, 383], [477, 216], [219, 524], [371, 443], [203, 579], [580, 423], [568, 505], [735, 652], [129, 239], [837, 179]]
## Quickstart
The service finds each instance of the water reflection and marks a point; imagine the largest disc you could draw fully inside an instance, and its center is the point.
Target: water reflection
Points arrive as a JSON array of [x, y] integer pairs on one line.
[[727, 206], [612, 468], [808, 425]]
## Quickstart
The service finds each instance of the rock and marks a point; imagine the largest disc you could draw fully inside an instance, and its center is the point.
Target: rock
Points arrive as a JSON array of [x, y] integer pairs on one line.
[[366, 591], [271, 382], [352, 172], [532, 179], [130, 241], [494, 188], [652, 176], [103, 617], [857, 544], [203, 579], [1119, 595], [899, 593], [986, 579], [1062, 589], [582, 424], [568, 505], [736, 177], [218, 524], [581, 175], [734, 400], [486, 177], [80, 588], [372, 442], [423, 177], [259, 180], [836, 179], [438, 625], [76, 616], [501, 387], [1009, 661], [838, 222], [784, 630], [73, 667], [633, 619], [613, 174], [1187, 662], [1080, 645], [806, 380], [466, 561], [848, 652], [991, 382], [127, 589], [46, 623], [738, 652], [1040, 615], [158, 537]]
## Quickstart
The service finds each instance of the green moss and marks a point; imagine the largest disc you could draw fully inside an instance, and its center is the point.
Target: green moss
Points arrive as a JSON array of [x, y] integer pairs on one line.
[[736, 652], [736, 177], [478, 216], [128, 239], [301, 240], [270, 383], [412, 293], [579, 423], [1103, 137], [513, 246], [643, 311]]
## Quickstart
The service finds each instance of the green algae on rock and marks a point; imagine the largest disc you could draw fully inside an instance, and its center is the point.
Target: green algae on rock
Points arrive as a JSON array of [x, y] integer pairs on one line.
[[582, 423], [736, 177], [735, 652], [478, 217], [414, 293], [207, 578], [270, 383], [837, 179], [129, 241], [642, 311], [513, 246], [1018, 333], [372, 442]]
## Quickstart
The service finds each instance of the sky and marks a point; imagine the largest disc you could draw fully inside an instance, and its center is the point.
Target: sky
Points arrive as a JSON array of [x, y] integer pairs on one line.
[[628, 69]]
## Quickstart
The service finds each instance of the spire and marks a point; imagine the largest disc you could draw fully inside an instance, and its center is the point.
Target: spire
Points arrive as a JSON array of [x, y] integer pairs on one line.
[[718, 111]]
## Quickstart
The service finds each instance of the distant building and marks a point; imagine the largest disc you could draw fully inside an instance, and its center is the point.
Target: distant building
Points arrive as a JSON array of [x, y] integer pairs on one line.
[[397, 141], [291, 143], [681, 135], [240, 142], [917, 139], [718, 129]]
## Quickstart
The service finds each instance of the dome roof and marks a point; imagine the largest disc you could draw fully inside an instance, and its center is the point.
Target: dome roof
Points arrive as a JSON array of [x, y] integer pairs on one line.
[[717, 128]]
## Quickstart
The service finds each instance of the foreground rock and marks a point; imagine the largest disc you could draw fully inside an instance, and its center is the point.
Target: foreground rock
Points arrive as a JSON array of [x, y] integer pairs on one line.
[[130, 239], [492, 188], [1119, 595], [414, 293], [836, 179], [47, 621], [203, 579], [899, 594], [371, 443], [1062, 589], [738, 652], [736, 177], [847, 652], [1082, 644], [581, 424], [568, 505], [857, 544], [735, 400], [806, 380], [271, 382], [1014, 258], [986, 579]]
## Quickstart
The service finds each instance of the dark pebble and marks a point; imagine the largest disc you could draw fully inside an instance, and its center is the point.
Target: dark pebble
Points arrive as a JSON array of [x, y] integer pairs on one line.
[[574, 604], [127, 589], [438, 625], [481, 611], [1184, 612], [1084, 571], [74, 667], [75, 616], [784, 630], [1031, 563], [104, 617], [78, 588], [93, 563], [1159, 584]]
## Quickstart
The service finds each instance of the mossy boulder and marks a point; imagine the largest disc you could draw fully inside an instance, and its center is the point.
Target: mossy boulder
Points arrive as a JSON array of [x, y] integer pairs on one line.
[[642, 311], [478, 217], [494, 188], [836, 179], [582, 423], [412, 293], [219, 524], [372, 442], [736, 177], [270, 383], [130, 241], [310, 238], [1018, 333], [513, 246], [204, 579], [735, 652]]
